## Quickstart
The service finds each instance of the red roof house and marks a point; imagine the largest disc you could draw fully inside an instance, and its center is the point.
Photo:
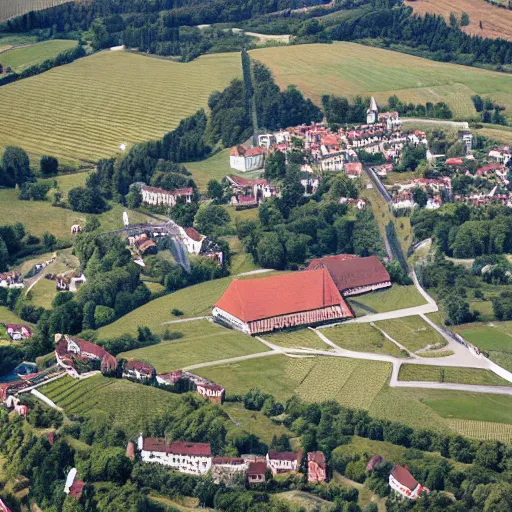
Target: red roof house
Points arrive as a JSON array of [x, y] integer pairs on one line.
[[402, 482], [453, 161], [262, 305], [353, 275], [317, 467], [256, 472], [138, 370]]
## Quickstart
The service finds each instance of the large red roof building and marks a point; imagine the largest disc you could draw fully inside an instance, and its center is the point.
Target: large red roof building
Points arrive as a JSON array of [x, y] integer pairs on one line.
[[262, 305], [353, 275]]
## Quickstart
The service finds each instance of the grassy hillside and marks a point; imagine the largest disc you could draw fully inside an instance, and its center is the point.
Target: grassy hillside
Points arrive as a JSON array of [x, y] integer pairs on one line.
[[349, 69], [99, 102], [20, 58]]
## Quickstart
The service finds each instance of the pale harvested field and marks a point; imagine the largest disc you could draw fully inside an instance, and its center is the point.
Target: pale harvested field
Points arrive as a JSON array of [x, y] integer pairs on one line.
[[496, 22], [85, 110], [348, 69], [12, 8]]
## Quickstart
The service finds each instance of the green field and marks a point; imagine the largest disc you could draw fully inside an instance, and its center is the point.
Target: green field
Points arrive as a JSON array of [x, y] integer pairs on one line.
[[7, 317], [213, 168], [347, 69], [475, 376], [203, 341], [495, 336], [130, 404], [412, 332], [99, 102], [396, 297], [300, 338], [353, 383], [362, 338], [20, 58]]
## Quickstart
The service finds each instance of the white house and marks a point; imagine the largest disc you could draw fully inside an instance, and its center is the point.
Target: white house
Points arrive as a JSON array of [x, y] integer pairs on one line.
[[244, 160], [310, 185], [332, 163], [160, 197], [403, 200], [391, 119], [403, 483], [12, 279], [194, 458], [191, 239], [283, 462], [266, 140], [372, 112]]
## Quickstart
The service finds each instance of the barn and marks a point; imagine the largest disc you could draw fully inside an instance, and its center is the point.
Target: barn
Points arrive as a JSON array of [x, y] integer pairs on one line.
[[262, 305]]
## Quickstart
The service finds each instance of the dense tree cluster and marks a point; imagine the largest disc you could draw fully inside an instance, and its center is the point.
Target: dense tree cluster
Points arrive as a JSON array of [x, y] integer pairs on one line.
[[490, 111], [15, 168], [438, 110]]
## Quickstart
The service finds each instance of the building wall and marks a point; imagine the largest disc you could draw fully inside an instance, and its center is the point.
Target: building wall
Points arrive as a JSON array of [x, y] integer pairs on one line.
[[197, 465], [365, 289]]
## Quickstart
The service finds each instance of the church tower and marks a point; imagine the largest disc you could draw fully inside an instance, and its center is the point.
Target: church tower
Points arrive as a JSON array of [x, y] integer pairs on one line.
[[372, 112]]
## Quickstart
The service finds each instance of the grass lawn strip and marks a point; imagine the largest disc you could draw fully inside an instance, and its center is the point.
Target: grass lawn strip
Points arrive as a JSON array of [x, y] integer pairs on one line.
[[299, 338], [396, 297]]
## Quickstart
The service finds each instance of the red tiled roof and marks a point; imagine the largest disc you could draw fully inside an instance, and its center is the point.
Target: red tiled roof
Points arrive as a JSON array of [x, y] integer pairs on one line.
[[254, 151], [227, 460], [155, 444], [210, 385], [267, 297], [172, 376], [354, 168], [317, 457], [76, 489], [178, 192], [139, 366], [257, 468], [194, 234], [90, 348], [350, 273], [453, 161], [241, 151], [403, 476], [158, 444], [144, 246], [130, 450], [284, 455]]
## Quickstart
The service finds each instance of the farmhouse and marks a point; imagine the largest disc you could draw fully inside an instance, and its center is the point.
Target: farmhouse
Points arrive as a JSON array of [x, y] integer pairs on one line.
[[262, 305], [192, 240], [170, 379], [501, 155], [244, 160], [317, 467], [18, 332], [72, 352], [403, 483], [161, 197], [283, 462], [256, 472], [353, 275], [70, 283], [138, 370], [74, 487], [226, 469], [195, 458], [12, 279]]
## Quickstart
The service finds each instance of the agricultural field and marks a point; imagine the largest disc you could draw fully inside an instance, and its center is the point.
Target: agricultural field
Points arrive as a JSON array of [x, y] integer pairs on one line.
[[353, 383], [20, 58], [130, 404], [362, 338], [482, 430], [202, 341], [412, 332], [299, 338], [13, 8], [496, 336], [396, 297], [501, 134], [486, 20], [107, 99], [474, 376], [348, 69]]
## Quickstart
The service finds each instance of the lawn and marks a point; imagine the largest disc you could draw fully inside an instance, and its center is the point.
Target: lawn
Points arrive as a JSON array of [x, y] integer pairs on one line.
[[20, 58], [299, 338], [213, 168], [396, 297], [476, 376], [8, 317], [99, 102], [412, 332], [131, 405], [493, 336], [203, 341], [348, 69], [353, 383], [361, 338]]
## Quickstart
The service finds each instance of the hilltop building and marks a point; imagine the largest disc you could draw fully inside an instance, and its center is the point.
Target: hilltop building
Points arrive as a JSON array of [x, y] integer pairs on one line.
[[138, 370], [372, 112], [255, 306], [244, 160], [403, 483]]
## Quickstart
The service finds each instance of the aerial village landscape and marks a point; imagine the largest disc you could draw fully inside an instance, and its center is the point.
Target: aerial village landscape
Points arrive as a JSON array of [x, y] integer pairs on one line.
[[269, 291]]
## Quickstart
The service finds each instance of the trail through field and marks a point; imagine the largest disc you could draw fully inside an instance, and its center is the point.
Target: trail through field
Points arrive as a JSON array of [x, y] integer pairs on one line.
[[182, 320]]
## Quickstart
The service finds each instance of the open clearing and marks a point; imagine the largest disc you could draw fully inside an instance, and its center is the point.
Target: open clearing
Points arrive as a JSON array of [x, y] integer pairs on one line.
[[99, 102], [496, 22], [347, 69], [202, 341], [20, 58], [448, 374], [396, 297]]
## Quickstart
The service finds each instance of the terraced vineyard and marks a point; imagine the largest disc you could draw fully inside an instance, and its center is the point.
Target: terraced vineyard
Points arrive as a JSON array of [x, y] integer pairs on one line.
[[99, 102], [13, 8], [482, 430]]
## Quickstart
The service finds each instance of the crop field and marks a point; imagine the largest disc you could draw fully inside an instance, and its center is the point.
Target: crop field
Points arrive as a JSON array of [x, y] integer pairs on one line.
[[13, 8], [396, 297], [503, 136], [353, 383], [20, 58], [482, 430], [202, 342], [348, 69], [495, 22], [130, 404], [475, 376], [361, 338], [299, 338], [99, 102], [412, 332], [495, 336]]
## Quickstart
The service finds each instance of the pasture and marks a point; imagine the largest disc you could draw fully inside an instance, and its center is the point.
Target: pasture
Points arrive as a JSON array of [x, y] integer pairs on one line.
[[20, 58], [99, 102], [496, 336], [361, 338], [13, 8], [203, 341], [348, 69], [396, 297]]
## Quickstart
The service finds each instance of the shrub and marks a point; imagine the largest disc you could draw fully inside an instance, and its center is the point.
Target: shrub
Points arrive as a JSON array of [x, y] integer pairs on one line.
[[177, 312], [175, 335], [103, 315]]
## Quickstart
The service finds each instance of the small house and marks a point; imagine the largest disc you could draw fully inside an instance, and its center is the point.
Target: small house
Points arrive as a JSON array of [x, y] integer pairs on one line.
[[192, 240], [169, 379], [18, 332], [244, 160], [404, 484], [256, 472], [226, 469], [283, 462], [138, 370], [12, 279]]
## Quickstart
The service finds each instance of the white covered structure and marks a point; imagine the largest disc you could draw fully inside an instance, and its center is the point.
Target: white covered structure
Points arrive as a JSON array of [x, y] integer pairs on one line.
[[244, 160], [161, 197]]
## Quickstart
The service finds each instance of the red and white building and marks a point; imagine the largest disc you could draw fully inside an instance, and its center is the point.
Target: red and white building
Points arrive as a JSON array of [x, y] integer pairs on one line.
[[244, 160], [248, 192], [18, 332], [160, 197], [255, 306], [353, 169], [403, 200], [283, 462], [256, 472], [192, 239], [194, 458], [171, 378], [138, 370], [353, 275], [317, 467], [227, 469], [12, 279], [403, 483], [74, 487], [501, 155]]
